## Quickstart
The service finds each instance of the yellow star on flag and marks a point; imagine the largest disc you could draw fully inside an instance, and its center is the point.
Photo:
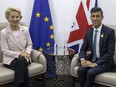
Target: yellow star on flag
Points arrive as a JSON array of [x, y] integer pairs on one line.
[[40, 49], [51, 36], [48, 44], [38, 15], [51, 27], [46, 19]]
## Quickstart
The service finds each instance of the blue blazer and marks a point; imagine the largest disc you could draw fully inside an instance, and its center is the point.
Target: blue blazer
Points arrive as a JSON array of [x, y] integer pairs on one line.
[[106, 47]]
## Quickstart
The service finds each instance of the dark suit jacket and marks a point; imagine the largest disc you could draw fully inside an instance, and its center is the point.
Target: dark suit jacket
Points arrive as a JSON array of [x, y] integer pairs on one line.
[[106, 47]]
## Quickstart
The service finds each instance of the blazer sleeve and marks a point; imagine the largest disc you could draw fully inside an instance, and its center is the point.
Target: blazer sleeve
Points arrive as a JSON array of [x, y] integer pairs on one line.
[[84, 48]]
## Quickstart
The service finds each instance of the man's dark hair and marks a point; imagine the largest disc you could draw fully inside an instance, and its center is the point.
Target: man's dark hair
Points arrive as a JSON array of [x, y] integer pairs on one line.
[[96, 9]]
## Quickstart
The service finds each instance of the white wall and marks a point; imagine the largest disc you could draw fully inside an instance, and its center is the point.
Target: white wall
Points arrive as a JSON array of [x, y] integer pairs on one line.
[[109, 9], [25, 6], [63, 13]]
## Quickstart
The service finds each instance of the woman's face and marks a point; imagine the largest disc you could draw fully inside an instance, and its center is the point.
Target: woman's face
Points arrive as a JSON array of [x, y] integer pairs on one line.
[[14, 18]]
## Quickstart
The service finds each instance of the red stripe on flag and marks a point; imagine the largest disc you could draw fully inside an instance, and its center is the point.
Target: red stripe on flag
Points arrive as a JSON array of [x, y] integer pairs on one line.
[[83, 25], [88, 4]]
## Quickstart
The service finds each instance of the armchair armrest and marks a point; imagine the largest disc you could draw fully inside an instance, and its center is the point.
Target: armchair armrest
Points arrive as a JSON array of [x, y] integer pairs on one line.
[[38, 57], [35, 55], [74, 63]]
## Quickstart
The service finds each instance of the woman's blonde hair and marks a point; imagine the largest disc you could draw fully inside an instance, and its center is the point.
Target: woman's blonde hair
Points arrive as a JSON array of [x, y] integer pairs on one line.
[[10, 9]]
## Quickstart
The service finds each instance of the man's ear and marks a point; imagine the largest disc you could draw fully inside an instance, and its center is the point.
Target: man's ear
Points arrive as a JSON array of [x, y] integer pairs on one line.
[[102, 17]]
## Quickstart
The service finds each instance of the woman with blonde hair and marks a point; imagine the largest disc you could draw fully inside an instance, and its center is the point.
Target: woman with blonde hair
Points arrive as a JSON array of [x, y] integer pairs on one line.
[[16, 46]]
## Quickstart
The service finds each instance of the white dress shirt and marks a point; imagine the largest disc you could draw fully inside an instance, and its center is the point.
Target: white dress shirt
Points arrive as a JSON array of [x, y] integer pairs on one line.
[[98, 40]]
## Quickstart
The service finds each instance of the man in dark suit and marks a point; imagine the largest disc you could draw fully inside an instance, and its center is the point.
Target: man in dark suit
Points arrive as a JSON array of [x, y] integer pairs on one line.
[[100, 39]]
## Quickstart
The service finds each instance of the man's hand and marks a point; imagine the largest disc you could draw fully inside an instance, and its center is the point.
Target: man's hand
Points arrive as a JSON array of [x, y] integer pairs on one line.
[[90, 64], [83, 63], [86, 63]]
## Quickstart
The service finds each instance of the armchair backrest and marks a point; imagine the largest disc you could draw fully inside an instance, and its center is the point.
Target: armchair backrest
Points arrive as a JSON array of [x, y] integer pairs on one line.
[[114, 27], [2, 26]]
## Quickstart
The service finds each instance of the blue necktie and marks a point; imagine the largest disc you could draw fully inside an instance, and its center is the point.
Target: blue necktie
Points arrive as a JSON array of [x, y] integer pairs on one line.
[[94, 46]]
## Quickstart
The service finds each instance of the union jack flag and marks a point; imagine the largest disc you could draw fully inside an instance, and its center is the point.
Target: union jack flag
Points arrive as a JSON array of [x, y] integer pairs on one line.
[[82, 23]]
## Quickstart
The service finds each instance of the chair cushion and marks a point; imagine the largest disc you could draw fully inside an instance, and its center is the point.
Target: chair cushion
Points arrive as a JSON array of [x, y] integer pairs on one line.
[[106, 78], [7, 75], [35, 69]]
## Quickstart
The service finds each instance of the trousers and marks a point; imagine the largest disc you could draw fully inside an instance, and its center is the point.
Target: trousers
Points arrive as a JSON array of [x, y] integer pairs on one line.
[[87, 75], [20, 67]]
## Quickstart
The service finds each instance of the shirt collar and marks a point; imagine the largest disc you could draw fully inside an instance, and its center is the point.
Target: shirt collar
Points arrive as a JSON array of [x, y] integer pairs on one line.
[[99, 29]]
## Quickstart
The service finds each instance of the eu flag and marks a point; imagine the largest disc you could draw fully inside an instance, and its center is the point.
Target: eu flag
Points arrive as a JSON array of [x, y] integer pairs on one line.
[[41, 31], [41, 28]]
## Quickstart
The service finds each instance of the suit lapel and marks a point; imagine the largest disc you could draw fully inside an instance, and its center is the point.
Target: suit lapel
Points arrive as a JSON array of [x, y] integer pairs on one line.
[[91, 37], [21, 37], [101, 36], [12, 38]]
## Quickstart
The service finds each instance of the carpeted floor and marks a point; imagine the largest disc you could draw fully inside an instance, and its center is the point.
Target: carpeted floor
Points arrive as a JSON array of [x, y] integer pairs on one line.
[[49, 84], [56, 81], [35, 83]]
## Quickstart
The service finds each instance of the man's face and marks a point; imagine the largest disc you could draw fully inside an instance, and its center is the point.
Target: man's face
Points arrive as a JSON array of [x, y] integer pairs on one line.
[[96, 19]]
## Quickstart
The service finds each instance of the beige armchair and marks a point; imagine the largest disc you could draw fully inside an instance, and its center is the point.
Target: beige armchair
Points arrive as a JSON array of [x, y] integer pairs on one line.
[[107, 79], [36, 69]]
